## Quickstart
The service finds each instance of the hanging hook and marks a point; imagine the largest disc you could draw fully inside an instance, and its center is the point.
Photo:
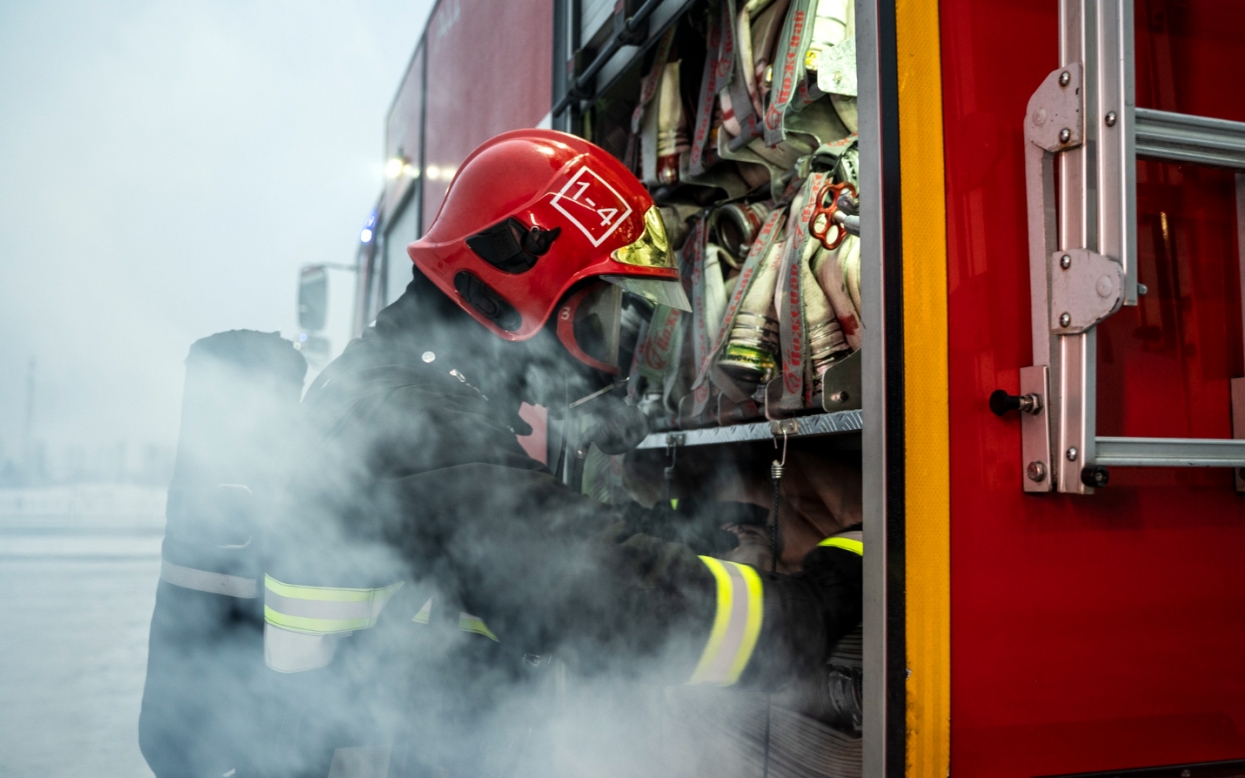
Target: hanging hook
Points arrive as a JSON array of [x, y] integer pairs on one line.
[[672, 454], [777, 466], [776, 469]]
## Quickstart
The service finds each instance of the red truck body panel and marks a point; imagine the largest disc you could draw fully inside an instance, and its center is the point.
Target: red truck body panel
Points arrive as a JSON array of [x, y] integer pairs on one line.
[[1095, 632], [489, 70], [403, 130]]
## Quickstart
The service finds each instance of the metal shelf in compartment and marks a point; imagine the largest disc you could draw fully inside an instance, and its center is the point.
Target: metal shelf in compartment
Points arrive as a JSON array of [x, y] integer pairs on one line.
[[837, 423]]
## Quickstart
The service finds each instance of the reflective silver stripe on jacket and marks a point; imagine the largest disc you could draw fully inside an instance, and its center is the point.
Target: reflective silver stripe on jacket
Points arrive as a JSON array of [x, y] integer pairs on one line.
[[205, 581]]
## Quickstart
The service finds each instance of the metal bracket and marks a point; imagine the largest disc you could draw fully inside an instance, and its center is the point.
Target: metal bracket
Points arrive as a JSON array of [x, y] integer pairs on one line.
[[1039, 475], [1085, 288], [782, 427], [1054, 119]]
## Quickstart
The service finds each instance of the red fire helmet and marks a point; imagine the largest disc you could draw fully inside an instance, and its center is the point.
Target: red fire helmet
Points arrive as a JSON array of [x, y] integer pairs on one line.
[[531, 214]]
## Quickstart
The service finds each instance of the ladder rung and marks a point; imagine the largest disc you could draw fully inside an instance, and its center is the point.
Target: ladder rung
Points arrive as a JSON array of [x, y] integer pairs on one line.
[[1178, 137], [1169, 452]]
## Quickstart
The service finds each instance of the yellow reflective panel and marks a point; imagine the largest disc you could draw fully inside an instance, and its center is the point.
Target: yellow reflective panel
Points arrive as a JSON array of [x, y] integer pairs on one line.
[[652, 249]]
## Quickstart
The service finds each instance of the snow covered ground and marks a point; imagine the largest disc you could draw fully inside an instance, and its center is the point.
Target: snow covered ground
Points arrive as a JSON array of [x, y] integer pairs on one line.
[[78, 572]]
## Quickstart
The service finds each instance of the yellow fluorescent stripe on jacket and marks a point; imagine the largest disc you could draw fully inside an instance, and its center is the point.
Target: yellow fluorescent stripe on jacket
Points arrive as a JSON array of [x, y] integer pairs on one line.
[[314, 626], [736, 624], [469, 623], [323, 610], [847, 544], [424, 614], [327, 593]]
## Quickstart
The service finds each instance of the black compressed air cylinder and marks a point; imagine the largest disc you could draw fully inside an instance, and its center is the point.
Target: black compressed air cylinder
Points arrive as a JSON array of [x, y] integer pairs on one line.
[[202, 710]]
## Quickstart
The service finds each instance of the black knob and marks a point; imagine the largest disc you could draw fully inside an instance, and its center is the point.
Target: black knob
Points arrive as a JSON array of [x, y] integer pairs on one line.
[[1001, 402], [1095, 476]]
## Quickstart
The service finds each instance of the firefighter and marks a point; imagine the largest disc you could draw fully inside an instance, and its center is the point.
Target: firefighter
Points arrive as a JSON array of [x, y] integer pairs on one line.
[[415, 504]]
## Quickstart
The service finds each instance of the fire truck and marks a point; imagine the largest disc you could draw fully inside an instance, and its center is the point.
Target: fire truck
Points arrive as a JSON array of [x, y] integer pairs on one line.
[[1045, 396]]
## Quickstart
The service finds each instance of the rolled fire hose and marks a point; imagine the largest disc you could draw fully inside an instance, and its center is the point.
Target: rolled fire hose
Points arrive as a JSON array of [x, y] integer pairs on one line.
[[750, 356], [826, 341], [829, 268]]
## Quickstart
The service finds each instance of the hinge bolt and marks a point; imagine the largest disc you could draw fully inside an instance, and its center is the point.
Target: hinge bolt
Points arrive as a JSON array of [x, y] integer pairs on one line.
[[1064, 78], [1065, 319], [1072, 453], [1065, 135], [1036, 471], [1110, 118], [1065, 262], [1142, 289]]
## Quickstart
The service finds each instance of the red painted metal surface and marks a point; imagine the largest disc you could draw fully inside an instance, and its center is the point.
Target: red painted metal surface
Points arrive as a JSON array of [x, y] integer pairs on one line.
[[489, 70], [1101, 632], [402, 130]]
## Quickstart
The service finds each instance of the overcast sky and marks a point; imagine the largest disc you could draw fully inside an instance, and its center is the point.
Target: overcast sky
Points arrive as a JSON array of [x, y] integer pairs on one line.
[[165, 168]]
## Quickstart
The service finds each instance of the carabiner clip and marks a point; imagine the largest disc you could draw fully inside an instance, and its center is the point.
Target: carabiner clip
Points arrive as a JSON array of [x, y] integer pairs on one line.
[[823, 219]]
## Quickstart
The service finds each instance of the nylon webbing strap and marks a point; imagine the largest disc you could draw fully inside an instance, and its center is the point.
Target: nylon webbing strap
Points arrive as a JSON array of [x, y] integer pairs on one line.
[[700, 324], [323, 610], [796, 32], [719, 53], [207, 581], [790, 298], [736, 623], [743, 92]]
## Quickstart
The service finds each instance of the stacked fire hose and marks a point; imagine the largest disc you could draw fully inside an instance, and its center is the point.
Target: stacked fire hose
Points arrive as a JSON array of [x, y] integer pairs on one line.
[[758, 186], [752, 158]]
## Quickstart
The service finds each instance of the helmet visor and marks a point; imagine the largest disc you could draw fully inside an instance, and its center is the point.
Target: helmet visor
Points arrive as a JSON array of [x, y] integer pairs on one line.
[[657, 291], [652, 249]]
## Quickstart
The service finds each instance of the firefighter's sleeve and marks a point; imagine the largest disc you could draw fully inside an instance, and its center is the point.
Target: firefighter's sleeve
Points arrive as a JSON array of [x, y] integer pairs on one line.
[[548, 569]]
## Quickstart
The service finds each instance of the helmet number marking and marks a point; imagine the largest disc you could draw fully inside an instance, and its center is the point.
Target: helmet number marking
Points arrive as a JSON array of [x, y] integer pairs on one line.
[[592, 205]]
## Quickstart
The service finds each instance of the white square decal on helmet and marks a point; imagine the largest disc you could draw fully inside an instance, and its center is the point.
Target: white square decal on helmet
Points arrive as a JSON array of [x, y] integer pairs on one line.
[[592, 205]]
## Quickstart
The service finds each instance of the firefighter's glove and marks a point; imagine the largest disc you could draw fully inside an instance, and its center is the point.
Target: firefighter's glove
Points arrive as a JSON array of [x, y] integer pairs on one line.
[[689, 522], [806, 614], [614, 426]]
